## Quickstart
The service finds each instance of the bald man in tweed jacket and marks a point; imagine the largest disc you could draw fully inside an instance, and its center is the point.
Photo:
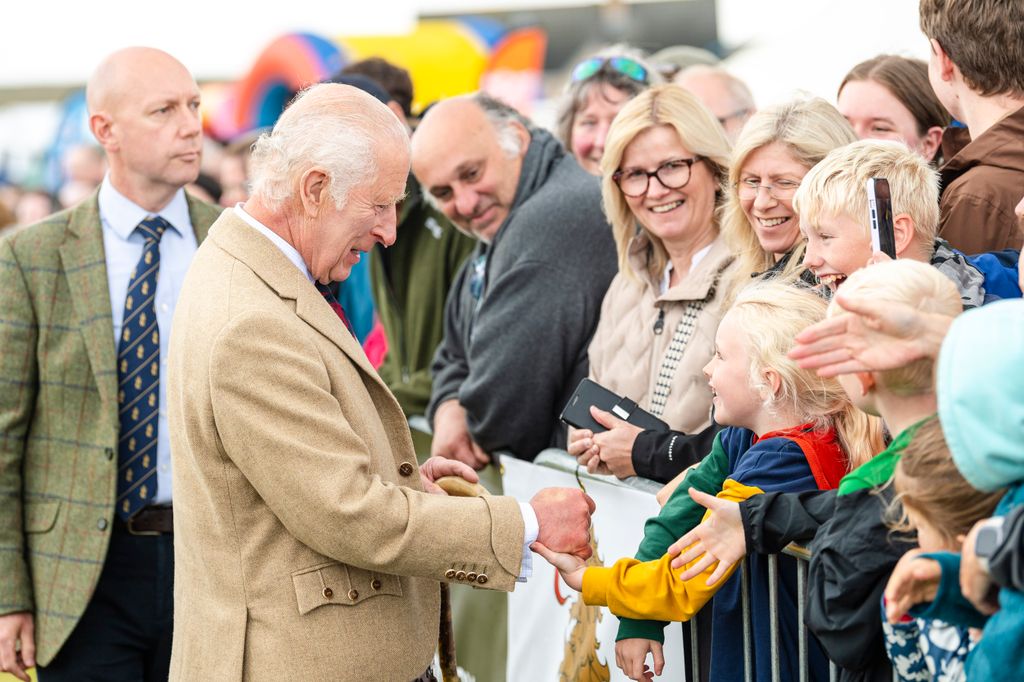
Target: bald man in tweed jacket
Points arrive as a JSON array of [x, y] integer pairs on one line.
[[59, 415]]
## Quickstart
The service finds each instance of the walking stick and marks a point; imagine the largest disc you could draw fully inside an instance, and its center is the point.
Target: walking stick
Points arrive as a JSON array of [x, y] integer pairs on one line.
[[456, 487]]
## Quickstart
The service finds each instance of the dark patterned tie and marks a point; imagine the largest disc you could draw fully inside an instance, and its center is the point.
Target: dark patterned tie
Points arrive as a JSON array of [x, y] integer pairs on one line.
[[325, 291], [138, 374]]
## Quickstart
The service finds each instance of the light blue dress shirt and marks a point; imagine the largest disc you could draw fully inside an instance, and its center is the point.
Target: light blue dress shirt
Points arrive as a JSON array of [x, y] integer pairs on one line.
[[123, 248]]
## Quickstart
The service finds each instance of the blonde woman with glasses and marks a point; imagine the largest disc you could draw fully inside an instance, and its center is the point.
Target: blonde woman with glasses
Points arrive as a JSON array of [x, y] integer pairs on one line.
[[664, 165]]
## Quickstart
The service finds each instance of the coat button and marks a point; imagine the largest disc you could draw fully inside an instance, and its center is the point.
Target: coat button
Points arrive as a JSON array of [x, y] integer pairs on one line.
[[405, 469], [471, 577], [450, 573], [375, 584], [102, 524], [461, 575], [353, 595], [328, 593], [109, 452], [481, 579]]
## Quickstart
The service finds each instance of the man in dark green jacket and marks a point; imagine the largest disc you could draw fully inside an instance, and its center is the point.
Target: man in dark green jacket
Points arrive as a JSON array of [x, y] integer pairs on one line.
[[410, 283]]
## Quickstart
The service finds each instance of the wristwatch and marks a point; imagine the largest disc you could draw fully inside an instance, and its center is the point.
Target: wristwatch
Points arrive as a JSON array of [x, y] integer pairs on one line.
[[988, 539]]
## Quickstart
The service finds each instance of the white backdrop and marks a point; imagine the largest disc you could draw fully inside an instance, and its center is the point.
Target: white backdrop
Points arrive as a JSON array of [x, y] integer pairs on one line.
[[544, 633]]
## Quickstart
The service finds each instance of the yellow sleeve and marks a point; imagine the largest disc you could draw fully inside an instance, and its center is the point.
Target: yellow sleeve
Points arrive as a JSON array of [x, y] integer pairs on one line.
[[650, 589]]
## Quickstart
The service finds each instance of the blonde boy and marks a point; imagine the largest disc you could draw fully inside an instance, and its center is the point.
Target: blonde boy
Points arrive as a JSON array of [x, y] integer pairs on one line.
[[834, 215]]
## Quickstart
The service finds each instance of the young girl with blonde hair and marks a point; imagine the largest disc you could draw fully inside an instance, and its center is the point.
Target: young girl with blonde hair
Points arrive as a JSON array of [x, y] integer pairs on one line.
[[787, 430]]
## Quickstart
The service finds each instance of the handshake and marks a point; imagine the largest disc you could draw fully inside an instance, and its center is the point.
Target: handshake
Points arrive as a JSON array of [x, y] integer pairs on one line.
[[563, 518], [563, 514]]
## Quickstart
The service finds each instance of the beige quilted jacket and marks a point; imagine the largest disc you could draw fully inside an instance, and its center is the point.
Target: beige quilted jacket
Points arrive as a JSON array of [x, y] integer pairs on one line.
[[627, 355]]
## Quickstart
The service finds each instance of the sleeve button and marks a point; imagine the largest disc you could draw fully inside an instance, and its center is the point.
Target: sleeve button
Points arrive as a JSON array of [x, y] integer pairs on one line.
[[481, 579], [405, 469], [375, 584], [328, 593], [450, 573], [353, 595], [461, 575], [471, 577]]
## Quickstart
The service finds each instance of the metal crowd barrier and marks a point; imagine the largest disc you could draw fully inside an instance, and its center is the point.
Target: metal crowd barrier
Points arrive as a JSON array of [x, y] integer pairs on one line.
[[562, 461]]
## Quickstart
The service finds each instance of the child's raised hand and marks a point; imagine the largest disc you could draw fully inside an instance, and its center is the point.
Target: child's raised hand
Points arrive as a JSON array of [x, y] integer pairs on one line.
[[570, 566], [719, 539], [915, 580], [631, 657]]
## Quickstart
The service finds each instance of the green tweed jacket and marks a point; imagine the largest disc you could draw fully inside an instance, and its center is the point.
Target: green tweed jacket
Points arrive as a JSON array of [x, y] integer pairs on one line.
[[58, 417]]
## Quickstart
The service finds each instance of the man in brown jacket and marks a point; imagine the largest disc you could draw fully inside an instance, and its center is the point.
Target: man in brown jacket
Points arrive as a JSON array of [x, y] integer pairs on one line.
[[305, 546], [977, 71]]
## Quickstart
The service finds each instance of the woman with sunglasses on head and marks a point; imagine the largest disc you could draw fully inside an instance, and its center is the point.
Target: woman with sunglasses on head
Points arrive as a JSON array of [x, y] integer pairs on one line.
[[777, 147], [890, 98], [598, 88], [662, 174]]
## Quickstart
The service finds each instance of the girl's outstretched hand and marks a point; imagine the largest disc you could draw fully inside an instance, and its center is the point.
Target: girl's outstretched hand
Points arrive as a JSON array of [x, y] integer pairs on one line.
[[717, 539], [570, 566]]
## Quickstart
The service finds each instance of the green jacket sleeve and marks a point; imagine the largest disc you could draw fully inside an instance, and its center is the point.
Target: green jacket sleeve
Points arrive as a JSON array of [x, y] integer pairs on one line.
[[677, 517], [18, 382]]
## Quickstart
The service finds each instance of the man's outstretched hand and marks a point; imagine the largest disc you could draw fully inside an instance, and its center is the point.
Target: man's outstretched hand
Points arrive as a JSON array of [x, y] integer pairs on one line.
[[563, 516]]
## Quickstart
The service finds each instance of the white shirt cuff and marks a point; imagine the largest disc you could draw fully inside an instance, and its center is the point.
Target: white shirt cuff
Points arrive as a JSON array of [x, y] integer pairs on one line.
[[531, 528]]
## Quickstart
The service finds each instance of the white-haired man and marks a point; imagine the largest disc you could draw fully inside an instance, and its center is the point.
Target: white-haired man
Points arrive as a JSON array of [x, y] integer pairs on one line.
[[306, 547], [525, 304]]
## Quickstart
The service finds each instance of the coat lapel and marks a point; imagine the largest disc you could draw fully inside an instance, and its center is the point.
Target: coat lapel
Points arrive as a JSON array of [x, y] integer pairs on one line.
[[266, 260], [82, 258]]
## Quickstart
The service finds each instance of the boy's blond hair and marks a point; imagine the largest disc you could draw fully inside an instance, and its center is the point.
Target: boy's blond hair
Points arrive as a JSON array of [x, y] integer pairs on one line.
[[911, 283], [771, 313], [837, 186]]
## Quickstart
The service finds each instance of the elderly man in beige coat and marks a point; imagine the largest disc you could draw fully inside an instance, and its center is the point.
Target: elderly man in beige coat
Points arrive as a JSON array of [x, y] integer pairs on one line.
[[306, 547]]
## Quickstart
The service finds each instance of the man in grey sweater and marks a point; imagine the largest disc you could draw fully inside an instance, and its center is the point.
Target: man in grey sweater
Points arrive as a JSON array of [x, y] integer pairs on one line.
[[523, 308]]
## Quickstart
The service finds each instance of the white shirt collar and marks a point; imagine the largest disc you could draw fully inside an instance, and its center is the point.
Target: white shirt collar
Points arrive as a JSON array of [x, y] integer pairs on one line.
[[666, 276], [123, 215], [287, 249]]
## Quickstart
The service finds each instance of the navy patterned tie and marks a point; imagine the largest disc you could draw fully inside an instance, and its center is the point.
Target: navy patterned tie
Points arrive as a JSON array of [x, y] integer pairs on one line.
[[138, 374]]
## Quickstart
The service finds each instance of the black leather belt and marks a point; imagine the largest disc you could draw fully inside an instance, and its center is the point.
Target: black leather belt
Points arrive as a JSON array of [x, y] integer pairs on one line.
[[151, 520]]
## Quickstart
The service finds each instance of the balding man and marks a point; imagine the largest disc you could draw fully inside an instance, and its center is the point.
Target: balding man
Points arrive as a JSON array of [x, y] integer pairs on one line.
[[305, 545], [524, 306], [86, 550], [727, 97]]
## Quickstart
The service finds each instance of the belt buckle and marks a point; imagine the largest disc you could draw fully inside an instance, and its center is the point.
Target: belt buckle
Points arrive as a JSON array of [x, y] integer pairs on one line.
[[130, 525]]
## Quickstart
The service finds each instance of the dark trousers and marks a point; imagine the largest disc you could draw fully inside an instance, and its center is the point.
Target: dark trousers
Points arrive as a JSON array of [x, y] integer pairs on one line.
[[125, 632]]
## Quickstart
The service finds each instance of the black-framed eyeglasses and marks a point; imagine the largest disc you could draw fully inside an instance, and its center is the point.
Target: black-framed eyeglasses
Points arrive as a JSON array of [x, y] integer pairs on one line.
[[673, 174]]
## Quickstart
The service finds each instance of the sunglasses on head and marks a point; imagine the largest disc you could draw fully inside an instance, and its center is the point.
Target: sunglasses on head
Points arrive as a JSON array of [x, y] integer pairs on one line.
[[630, 68]]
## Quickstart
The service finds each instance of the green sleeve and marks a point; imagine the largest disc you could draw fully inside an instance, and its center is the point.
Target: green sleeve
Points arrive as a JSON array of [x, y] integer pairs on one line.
[[677, 517]]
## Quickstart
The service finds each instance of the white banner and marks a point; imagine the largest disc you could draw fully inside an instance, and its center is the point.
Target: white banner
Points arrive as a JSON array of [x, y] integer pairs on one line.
[[552, 634]]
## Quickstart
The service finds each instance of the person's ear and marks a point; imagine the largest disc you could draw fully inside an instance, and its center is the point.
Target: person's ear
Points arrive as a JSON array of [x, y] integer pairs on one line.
[[773, 382], [903, 232], [102, 127], [523, 135], [866, 381], [313, 186], [931, 141], [946, 65]]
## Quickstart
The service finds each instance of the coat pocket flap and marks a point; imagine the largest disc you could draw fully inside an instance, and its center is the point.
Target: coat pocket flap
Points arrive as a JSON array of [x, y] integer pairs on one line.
[[40, 517], [341, 585]]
